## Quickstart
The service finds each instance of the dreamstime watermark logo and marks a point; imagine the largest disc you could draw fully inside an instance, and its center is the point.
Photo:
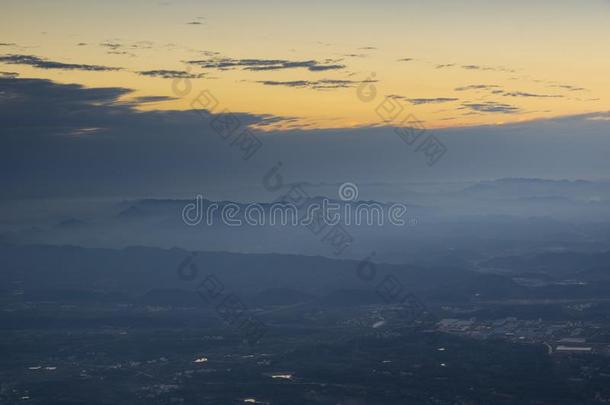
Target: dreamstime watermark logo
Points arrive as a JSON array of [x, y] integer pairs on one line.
[[348, 192], [348, 211]]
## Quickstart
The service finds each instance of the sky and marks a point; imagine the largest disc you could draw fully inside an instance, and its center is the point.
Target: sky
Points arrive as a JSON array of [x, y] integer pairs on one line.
[[98, 96], [450, 63]]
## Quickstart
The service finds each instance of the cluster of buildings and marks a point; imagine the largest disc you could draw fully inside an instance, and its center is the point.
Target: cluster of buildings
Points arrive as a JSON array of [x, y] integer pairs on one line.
[[558, 336]]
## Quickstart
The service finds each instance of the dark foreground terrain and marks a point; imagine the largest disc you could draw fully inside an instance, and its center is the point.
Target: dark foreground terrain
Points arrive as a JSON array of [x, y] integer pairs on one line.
[[187, 334]]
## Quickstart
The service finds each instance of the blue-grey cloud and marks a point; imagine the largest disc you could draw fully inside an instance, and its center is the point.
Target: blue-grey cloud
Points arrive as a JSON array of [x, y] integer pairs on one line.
[[418, 101], [67, 140], [266, 64], [491, 107], [40, 63], [61, 106], [49, 130], [171, 74]]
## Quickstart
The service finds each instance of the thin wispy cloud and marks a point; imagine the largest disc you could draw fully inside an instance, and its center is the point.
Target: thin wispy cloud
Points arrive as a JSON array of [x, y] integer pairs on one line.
[[497, 90], [529, 95], [475, 67], [355, 55], [435, 100], [488, 68], [197, 21], [567, 87], [323, 84], [111, 45], [477, 87], [418, 101]]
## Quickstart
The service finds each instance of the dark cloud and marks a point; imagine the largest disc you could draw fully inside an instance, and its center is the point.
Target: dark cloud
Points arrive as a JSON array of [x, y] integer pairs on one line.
[[266, 64], [57, 138], [62, 108], [67, 140], [315, 84], [47, 64], [81, 44], [447, 65], [9, 74], [492, 107], [171, 74], [56, 106], [368, 48], [406, 60], [7, 44]]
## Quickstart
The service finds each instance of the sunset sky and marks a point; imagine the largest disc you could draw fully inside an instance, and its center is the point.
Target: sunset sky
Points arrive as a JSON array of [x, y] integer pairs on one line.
[[449, 63], [97, 97]]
